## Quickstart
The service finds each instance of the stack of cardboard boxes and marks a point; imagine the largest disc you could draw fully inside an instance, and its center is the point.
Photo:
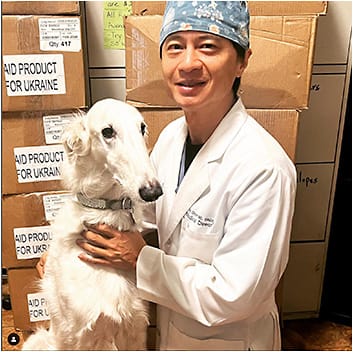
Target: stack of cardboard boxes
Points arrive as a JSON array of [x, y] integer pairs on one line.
[[275, 86], [43, 84]]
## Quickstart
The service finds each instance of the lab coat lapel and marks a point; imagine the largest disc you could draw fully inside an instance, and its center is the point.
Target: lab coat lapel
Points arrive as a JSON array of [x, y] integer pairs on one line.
[[195, 182], [197, 178], [166, 211]]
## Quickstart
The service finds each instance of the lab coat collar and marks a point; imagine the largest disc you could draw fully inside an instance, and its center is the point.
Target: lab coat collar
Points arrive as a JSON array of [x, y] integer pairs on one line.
[[197, 178], [226, 131]]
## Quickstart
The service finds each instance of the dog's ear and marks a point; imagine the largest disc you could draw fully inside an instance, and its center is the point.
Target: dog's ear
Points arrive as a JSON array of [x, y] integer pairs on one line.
[[75, 138]]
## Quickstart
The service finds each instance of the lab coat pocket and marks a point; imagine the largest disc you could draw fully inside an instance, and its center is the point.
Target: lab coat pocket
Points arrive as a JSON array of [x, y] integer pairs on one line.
[[180, 341], [197, 245]]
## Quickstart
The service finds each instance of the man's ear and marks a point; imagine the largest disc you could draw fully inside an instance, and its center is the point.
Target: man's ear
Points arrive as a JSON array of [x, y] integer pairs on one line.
[[244, 64], [75, 138]]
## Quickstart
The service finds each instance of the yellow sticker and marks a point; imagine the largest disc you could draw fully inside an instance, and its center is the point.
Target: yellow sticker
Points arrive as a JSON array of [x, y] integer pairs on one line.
[[113, 23]]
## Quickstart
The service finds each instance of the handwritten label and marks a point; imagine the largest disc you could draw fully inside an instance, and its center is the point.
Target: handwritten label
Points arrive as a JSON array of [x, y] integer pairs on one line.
[[306, 180], [113, 23]]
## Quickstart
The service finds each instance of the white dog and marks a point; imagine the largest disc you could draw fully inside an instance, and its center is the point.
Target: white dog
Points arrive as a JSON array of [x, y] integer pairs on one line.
[[109, 172]]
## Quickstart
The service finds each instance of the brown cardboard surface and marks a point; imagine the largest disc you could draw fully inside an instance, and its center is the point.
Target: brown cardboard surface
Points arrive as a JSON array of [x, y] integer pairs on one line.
[[281, 124], [256, 8], [20, 36], [40, 7], [156, 120], [287, 8], [279, 71], [22, 282], [21, 211], [278, 75], [23, 129]]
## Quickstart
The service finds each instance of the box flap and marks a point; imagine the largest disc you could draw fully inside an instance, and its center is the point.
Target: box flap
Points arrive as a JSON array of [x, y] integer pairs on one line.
[[256, 8]]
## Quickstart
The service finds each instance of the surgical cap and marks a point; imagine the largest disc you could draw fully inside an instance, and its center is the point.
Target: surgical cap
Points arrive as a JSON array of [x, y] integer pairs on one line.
[[228, 19]]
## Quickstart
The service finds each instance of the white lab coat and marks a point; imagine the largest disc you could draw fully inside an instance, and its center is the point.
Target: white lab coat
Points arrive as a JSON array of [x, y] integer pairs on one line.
[[224, 238]]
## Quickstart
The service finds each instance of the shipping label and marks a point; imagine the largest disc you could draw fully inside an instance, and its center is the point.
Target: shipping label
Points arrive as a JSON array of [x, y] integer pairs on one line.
[[53, 203], [60, 34], [37, 307], [32, 242], [37, 164], [34, 74], [54, 126]]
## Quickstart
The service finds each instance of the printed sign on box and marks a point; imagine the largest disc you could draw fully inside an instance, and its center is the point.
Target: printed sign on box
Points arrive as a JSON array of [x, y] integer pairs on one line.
[[36, 164], [32, 242], [37, 307], [34, 74]]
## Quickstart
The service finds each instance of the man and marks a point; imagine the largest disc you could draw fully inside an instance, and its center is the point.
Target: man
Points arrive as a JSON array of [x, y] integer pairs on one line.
[[224, 219]]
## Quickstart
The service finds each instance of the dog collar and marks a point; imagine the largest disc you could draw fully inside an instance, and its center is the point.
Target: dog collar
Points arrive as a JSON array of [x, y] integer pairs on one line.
[[113, 204]]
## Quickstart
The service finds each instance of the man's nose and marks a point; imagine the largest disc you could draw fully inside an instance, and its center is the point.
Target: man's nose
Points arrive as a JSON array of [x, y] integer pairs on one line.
[[190, 60]]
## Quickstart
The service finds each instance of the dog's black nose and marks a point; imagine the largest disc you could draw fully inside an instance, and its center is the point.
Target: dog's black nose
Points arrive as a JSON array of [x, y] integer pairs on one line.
[[151, 192]]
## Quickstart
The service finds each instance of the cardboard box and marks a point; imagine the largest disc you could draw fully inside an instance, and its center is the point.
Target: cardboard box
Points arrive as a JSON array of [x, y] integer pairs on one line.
[[312, 203], [40, 7], [28, 305], [156, 120], [24, 282], [31, 157], [281, 124], [26, 232], [43, 65], [256, 8], [278, 75]]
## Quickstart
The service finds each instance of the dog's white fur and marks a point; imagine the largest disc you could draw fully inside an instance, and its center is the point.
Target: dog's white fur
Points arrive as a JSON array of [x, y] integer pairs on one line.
[[94, 307]]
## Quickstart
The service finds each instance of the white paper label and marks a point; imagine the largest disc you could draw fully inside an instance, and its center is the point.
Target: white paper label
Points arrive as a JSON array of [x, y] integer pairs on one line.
[[32, 242], [53, 203], [34, 74], [54, 126], [37, 164], [60, 34], [37, 307]]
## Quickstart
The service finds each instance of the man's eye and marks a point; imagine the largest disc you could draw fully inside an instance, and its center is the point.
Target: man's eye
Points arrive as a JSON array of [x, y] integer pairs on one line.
[[174, 47], [208, 46], [108, 132], [143, 128]]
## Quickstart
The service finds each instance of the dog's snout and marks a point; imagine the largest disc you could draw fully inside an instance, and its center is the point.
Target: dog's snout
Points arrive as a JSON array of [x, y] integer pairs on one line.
[[151, 192]]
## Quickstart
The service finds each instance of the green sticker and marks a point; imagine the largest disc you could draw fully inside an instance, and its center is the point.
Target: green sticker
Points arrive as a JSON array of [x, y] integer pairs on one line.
[[113, 23]]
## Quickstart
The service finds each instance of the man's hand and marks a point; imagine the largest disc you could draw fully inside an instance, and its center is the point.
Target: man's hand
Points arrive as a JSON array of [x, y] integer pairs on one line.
[[107, 246], [41, 265]]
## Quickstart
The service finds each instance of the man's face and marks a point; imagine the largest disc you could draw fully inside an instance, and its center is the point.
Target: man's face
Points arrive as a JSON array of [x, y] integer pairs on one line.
[[200, 68]]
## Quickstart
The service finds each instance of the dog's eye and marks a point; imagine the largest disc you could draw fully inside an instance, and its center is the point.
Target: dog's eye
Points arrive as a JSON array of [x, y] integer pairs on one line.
[[143, 128], [108, 132]]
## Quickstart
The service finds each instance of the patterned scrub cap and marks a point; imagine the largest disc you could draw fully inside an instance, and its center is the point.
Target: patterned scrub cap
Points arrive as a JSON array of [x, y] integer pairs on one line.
[[228, 19]]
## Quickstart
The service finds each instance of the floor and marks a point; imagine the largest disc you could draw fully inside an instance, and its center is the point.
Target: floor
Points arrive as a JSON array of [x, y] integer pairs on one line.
[[298, 335], [316, 335]]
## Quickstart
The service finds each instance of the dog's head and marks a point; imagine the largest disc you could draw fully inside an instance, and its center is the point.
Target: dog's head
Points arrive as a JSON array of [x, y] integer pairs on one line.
[[107, 148]]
